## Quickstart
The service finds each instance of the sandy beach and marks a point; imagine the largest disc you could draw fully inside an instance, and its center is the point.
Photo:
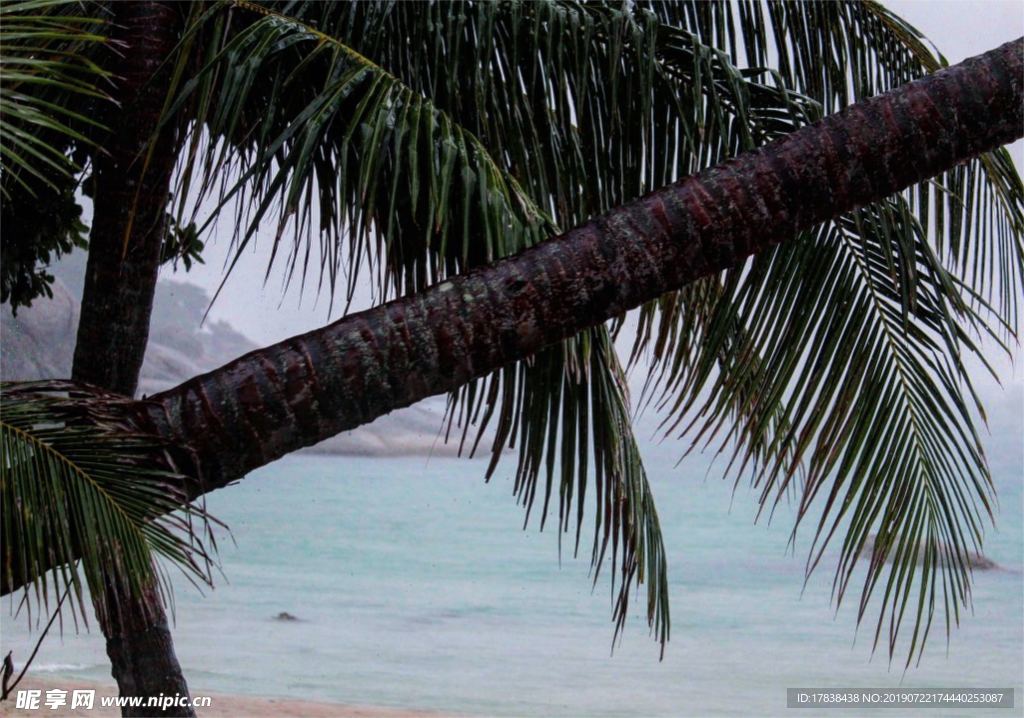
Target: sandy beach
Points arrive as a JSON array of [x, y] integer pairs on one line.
[[221, 706]]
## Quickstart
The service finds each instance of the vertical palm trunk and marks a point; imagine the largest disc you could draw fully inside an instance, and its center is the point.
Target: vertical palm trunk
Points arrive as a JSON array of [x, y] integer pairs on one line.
[[128, 230], [129, 218], [304, 389]]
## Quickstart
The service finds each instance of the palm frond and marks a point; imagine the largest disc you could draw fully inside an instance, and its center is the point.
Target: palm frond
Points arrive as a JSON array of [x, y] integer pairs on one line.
[[50, 83], [813, 365], [815, 361], [45, 62], [77, 479], [840, 52], [422, 165], [568, 411], [388, 164], [414, 141]]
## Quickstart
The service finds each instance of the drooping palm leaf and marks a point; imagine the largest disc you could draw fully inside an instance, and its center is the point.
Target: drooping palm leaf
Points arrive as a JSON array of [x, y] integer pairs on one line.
[[384, 137], [857, 407], [574, 432], [841, 52], [77, 479], [50, 84], [807, 358], [45, 62], [442, 197]]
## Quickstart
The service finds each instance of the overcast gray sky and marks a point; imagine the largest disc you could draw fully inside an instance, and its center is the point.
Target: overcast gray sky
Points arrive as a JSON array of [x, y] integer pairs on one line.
[[959, 28]]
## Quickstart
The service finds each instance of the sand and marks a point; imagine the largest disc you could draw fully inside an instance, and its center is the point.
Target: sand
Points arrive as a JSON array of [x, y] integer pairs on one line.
[[221, 706]]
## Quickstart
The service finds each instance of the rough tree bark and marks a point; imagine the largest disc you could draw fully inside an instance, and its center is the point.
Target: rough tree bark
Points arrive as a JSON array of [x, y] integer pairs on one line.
[[131, 189], [129, 212], [297, 392]]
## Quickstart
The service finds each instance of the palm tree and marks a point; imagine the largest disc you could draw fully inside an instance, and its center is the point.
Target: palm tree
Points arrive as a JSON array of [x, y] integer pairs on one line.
[[414, 146]]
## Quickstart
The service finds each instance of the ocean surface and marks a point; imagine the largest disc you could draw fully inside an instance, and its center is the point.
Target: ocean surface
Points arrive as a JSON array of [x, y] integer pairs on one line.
[[415, 586]]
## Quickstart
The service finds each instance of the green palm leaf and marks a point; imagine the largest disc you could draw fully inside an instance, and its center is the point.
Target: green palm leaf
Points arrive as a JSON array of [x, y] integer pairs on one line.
[[77, 479], [839, 359], [50, 85], [45, 68], [828, 379], [841, 52], [419, 196]]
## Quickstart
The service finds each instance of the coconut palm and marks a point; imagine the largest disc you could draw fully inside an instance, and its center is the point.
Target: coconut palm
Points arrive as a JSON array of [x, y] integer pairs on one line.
[[807, 307]]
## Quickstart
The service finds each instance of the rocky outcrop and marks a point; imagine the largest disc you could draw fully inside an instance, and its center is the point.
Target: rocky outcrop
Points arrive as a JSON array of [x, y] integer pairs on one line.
[[39, 342], [975, 560], [414, 431]]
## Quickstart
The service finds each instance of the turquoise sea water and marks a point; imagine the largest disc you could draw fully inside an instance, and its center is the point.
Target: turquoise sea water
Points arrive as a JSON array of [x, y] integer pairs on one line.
[[416, 587]]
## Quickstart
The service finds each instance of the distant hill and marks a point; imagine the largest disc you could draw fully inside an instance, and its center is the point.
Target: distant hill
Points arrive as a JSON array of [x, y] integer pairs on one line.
[[39, 343]]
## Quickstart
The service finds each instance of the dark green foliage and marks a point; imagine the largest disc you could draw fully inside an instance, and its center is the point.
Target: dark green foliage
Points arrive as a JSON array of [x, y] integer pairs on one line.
[[181, 244], [802, 362], [50, 87], [446, 165], [36, 231]]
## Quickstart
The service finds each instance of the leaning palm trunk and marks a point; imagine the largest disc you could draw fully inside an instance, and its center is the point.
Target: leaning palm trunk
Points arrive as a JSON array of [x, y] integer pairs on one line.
[[307, 388], [297, 392]]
